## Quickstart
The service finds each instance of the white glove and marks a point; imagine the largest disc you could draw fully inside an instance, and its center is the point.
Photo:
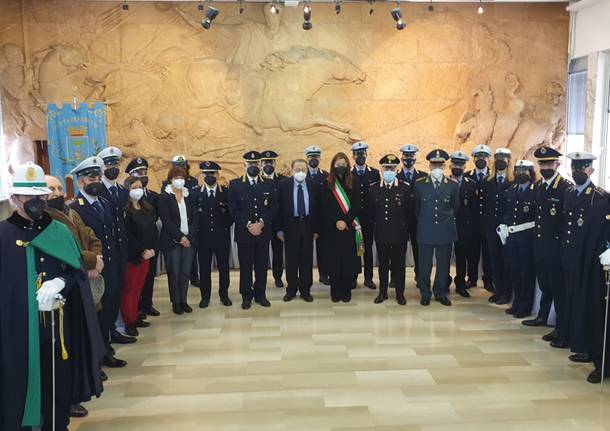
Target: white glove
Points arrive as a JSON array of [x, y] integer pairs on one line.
[[48, 292], [502, 232], [604, 258]]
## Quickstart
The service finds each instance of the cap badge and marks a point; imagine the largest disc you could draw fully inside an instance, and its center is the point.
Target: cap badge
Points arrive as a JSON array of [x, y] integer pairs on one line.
[[30, 174]]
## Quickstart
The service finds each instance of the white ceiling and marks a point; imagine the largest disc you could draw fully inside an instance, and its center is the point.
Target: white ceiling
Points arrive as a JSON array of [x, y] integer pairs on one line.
[[344, 1]]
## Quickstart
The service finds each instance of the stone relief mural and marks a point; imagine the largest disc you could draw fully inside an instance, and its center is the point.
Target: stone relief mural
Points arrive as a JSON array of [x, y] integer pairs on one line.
[[451, 78]]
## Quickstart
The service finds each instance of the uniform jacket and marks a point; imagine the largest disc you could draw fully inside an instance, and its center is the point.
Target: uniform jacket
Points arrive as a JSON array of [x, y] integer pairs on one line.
[[390, 211], [435, 210]]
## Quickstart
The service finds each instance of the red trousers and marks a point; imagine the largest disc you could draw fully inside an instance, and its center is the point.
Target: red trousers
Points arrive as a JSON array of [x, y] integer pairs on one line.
[[135, 277]]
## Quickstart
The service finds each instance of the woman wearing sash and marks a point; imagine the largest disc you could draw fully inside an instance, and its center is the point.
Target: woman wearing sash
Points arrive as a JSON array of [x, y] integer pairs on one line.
[[341, 228]]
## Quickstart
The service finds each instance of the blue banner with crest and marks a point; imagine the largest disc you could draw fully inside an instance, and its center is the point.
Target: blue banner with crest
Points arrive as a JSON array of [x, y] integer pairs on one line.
[[74, 135]]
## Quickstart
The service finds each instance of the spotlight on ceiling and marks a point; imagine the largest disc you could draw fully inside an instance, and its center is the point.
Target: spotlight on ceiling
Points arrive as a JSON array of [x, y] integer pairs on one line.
[[125, 6], [430, 7], [210, 15], [307, 12], [200, 7], [397, 15], [480, 8], [274, 8], [241, 7], [338, 7]]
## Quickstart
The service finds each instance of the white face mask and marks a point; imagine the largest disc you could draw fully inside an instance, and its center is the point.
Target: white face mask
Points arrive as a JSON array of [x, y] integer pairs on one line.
[[300, 176], [437, 173], [136, 194], [178, 183]]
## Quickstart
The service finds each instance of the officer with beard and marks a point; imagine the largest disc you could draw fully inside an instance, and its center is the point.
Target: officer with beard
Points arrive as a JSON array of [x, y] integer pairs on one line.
[[366, 176]]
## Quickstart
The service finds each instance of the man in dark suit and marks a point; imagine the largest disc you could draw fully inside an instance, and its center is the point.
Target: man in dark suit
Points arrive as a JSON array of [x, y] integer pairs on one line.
[[214, 234], [549, 196], [268, 161], [97, 213], [253, 205], [138, 167], [409, 175], [465, 219], [366, 176], [299, 224], [388, 201], [480, 250], [318, 175], [437, 200]]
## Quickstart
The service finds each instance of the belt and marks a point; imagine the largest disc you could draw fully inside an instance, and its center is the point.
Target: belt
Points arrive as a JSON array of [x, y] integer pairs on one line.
[[521, 227]]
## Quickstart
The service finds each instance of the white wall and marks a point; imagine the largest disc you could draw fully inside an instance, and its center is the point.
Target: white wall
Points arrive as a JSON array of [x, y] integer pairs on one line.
[[590, 27]]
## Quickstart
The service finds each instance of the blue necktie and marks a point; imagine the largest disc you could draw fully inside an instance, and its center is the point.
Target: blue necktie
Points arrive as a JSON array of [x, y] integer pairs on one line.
[[409, 176], [300, 201], [115, 193], [98, 207]]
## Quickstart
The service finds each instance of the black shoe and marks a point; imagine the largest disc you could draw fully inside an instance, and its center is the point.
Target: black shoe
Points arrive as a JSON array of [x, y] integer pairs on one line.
[[489, 287], [288, 297], [264, 302], [131, 330], [279, 283], [307, 297], [595, 376], [380, 298], [103, 376], [493, 298], [246, 304], [370, 284], [142, 323], [204, 303], [226, 301], [142, 315], [401, 300], [195, 283], [444, 301], [118, 338], [335, 299], [463, 293], [112, 362], [186, 308], [78, 411], [325, 280], [558, 343], [538, 321], [580, 358], [111, 351], [424, 301], [503, 300], [152, 311], [551, 336], [346, 298], [177, 309], [510, 310]]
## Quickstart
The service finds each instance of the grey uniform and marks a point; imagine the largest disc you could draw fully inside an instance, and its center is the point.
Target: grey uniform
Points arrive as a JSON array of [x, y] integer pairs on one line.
[[435, 208]]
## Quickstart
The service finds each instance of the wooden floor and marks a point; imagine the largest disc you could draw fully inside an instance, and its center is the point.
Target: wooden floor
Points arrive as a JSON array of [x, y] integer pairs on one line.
[[356, 366]]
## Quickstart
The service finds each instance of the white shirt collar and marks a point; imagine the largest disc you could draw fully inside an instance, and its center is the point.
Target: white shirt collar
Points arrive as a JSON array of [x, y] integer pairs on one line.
[[250, 179], [383, 184], [550, 180], [481, 171], [89, 197], [169, 190], [208, 188], [109, 183], [313, 171]]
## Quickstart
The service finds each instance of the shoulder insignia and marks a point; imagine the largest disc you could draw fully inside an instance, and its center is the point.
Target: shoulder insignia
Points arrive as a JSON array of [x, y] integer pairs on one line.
[[588, 191], [421, 179], [557, 181], [531, 187], [81, 202]]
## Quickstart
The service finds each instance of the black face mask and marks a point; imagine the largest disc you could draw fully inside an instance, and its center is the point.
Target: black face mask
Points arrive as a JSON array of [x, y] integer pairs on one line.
[[500, 165], [409, 163], [210, 180], [58, 203], [253, 171], [93, 189], [314, 163], [341, 170], [144, 181], [579, 177], [522, 177], [457, 172], [480, 163], [111, 173], [360, 159], [547, 173], [34, 208], [268, 169]]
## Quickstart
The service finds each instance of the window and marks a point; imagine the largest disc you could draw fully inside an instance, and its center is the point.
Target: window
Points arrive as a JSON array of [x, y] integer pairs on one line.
[[3, 160], [577, 105]]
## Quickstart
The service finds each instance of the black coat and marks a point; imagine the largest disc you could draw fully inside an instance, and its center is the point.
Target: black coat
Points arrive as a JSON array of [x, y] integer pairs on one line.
[[286, 211], [365, 180], [214, 218], [467, 214], [142, 233], [340, 254], [319, 177], [83, 338], [276, 179], [118, 208], [390, 212], [520, 208], [417, 174], [436, 210], [170, 218], [249, 204], [494, 204], [550, 217], [480, 205], [153, 200]]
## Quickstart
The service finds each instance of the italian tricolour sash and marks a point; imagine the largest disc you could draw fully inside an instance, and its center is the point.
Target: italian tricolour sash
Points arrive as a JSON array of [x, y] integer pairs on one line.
[[345, 204]]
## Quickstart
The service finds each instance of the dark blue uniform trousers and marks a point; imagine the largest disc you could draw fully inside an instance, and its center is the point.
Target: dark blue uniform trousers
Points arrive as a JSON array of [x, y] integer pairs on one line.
[[441, 277], [522, 274]]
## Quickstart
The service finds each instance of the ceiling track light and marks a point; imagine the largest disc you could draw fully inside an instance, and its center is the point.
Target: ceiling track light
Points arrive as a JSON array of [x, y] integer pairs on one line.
[[371, 8], [274, 8], [241, 7], [397, 16], [337, 7], [480, 9], [125, 6], [430, 7], [307, 25], [200, 7], [210, 15]]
